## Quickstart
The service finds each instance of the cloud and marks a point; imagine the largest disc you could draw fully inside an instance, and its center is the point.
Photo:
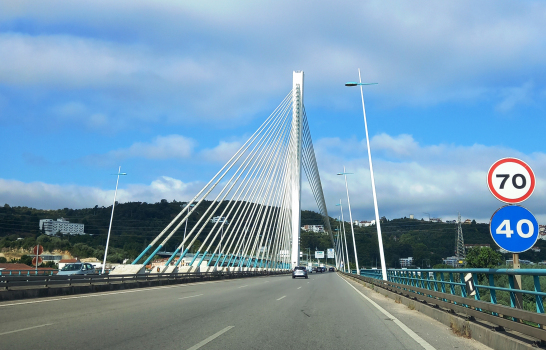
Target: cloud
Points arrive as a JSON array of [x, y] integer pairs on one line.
[[204, 63], [162, 147], [221, 153], [412, 178], [514, 96], [54, 196]]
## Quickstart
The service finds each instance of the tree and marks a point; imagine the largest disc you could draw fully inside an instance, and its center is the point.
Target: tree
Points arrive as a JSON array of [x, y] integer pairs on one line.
[[3, 260], [483, 258]]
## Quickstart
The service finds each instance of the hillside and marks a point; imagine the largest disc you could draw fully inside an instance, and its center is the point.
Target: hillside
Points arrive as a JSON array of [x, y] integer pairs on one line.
[[137, 223]]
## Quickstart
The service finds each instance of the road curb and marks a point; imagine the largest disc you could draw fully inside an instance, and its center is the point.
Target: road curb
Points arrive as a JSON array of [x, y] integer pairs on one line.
[[459, 325]]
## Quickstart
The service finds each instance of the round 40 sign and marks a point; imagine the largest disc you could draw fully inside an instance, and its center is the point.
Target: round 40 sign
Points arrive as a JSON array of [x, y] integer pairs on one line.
[[511, 180], [514, 228]]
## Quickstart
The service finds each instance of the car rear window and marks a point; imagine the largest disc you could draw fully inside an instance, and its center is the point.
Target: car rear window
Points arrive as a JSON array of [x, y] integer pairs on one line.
[[299, 268]]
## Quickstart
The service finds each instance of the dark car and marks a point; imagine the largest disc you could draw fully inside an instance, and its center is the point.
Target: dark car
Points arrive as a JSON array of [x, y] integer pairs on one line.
[[331, 269], [320, 269], [299, 271]]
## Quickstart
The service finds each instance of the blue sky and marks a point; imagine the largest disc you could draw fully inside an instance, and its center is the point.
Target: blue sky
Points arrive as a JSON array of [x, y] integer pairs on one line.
[[169, 89]]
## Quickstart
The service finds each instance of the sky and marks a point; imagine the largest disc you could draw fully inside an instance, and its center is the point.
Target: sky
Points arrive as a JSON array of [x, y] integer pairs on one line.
[[169, 90]]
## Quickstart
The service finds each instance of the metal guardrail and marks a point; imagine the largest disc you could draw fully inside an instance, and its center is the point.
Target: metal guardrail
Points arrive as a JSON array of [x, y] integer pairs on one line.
[[10, 282], [32, 272], [446, 288]]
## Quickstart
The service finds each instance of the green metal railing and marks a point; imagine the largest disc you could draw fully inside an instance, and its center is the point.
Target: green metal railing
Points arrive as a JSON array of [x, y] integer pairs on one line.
[[497, 298]]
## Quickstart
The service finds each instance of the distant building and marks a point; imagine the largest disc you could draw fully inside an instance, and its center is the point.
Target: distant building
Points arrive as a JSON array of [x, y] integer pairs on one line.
[[406, 262], [469, 246], [314, 228], [535, 249], [51, 227], [542, 232], [435, 220], [467, 222], [521, 262], [51, 257], [411, 216], [63, 262], [454, 261], [451, 221], [219, 219]]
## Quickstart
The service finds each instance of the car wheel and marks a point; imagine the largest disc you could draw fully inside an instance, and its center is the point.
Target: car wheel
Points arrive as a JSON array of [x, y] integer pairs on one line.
[[306, 277], [293, 276]]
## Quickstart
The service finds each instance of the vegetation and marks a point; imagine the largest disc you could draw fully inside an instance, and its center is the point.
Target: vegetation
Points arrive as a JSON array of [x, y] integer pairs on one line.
[[137, 223]]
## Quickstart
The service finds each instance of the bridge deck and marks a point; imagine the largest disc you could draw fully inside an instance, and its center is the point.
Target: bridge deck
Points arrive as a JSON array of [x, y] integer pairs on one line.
[[322, 312]]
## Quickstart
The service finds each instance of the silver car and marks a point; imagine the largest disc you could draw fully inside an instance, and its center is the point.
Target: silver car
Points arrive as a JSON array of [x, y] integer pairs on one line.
[[76, 269], [299, 271]]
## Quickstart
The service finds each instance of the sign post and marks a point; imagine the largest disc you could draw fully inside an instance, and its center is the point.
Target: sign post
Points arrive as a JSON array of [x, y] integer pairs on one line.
[[512, 181], [37, 260]]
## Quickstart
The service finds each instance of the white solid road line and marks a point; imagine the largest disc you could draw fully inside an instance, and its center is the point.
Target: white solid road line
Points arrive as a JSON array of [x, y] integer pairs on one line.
[[284, 296], [246, 285], [299, 288], [192, 296], [211, 338], [26, 329], [405, 328]]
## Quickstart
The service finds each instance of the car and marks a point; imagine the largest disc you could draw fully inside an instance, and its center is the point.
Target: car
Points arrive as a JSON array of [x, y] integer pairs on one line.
[[299, 271], [320, 269], [331, 269], [76, 269]]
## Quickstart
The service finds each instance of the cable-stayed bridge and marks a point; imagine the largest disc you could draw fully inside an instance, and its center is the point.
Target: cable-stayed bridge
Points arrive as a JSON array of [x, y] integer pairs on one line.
[[248, 226], [256, 201]]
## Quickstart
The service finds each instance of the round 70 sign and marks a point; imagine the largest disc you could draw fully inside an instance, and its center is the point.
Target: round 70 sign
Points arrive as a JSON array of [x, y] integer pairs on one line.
[[511, 180]]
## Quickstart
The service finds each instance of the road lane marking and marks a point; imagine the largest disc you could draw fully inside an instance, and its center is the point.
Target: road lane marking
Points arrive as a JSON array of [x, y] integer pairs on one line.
[[284, 296], [405, 328], [26, 329], [192, 296], [298, 287], [246, 285], [211, 338]]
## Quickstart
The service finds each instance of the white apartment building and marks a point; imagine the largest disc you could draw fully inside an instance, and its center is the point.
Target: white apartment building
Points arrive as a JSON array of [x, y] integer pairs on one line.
[[406, 262], [51, 227], [313, 228]]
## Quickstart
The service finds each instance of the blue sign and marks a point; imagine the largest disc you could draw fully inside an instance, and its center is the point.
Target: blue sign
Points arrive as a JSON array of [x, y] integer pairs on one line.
[[514, 228]]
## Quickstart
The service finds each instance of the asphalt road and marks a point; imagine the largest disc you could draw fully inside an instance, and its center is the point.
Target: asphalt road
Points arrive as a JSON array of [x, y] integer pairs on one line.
[[322, 312]]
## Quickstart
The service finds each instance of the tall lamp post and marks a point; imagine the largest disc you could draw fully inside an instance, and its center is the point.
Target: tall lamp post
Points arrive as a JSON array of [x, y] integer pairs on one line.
[[186, 225], [377, 222], [111, 218], [350, 218], [344, 236]]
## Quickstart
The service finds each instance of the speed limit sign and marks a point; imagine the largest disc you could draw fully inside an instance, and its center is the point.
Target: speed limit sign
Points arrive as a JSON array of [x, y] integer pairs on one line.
[[511, 180]]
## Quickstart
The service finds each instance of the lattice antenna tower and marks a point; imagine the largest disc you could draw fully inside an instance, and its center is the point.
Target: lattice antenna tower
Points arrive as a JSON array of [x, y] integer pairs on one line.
[[459, 245]]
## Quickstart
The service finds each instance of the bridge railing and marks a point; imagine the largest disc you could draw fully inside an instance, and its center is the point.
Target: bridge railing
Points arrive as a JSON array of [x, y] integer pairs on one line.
[[30, 281], [496, 299]]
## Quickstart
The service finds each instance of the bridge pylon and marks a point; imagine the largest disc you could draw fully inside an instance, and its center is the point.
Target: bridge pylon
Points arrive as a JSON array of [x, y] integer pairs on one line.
[[296, 154]]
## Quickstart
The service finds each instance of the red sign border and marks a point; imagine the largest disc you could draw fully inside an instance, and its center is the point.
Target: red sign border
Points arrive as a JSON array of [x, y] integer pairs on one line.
[[504, 199]]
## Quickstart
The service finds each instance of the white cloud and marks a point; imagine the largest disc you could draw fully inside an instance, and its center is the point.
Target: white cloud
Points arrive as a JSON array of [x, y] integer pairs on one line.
[[162, 147], [221, 153], [437, 179], [204, 63], [54, 196]]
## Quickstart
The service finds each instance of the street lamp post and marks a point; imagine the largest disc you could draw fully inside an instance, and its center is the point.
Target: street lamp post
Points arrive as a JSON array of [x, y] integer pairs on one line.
[[344, 236], [111, 218], [377, 222], [351, 218], [186, 225]]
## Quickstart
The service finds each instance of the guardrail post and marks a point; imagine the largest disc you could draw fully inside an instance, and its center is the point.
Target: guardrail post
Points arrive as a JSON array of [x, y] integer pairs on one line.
[[540, 305], [492, 291]]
